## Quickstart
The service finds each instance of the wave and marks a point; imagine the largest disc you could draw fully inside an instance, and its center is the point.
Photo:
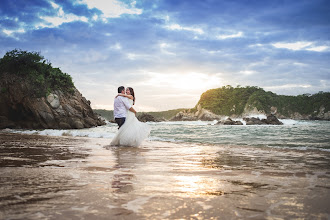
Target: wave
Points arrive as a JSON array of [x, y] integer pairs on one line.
[[293, 134], [97, 132], [109, 130]]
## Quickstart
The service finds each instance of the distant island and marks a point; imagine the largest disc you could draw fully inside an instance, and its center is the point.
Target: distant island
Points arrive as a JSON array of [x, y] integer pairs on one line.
[[228, 101]]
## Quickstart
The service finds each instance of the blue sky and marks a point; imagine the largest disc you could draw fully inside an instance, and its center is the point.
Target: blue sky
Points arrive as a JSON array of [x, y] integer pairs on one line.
[[171, 51]]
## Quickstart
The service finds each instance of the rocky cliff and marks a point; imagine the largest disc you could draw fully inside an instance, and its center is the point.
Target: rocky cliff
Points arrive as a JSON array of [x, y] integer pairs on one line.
[[244, 101], [21, 108]]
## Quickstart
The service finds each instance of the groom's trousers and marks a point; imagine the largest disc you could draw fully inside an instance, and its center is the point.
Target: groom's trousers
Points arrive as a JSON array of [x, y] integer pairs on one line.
[[120, 121]]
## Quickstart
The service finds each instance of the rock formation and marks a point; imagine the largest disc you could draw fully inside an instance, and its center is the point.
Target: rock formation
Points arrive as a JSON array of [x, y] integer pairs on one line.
[[271, 120], [229, 121], [200, 114], [20, 108], [147, 117]]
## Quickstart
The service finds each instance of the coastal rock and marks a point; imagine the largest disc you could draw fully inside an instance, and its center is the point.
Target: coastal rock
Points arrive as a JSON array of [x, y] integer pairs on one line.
[[53, 100], [20, 108], [200, 114], [5, 123], [184, 116], [206, 115], [322, 114], [270, 120], [147, 117], [254, 121], [273, 110], [229, 121], [250, 110]]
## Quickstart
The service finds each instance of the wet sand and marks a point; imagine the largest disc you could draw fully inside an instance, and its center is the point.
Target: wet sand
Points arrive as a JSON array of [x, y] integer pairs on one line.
[[45, 177]]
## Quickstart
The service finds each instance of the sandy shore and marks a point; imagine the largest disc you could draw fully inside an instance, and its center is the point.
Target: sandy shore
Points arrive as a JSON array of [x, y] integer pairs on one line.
[[45, 177]]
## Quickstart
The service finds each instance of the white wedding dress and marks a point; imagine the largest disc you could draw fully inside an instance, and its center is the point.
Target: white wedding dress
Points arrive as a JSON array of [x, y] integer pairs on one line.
[[132, 132]]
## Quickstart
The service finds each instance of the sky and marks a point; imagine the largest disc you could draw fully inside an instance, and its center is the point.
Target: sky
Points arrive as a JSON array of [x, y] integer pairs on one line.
[[171, 51]]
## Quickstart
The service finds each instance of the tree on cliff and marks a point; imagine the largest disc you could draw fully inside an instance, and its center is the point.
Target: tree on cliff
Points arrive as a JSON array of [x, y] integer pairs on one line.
[[40, 73], [228, 100]]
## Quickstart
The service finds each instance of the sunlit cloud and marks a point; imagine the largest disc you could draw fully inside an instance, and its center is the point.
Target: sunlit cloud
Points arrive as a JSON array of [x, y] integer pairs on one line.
[[190, 80], [164, 48], [131, 56], [288, 86], [319, 48], [182, 28], [112, 8], [60, 18], [301, 45], [248, 72], [227, 36], [116, 46], [10, 33], [100, 106]]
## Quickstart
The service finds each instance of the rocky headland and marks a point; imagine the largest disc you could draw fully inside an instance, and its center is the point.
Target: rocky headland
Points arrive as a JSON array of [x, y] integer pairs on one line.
[[20, 108], [34, 95], [244, 102], [206, 115]]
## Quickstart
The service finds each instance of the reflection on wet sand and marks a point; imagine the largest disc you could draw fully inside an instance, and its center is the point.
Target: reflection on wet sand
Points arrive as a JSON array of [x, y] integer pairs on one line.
[[84, 178]]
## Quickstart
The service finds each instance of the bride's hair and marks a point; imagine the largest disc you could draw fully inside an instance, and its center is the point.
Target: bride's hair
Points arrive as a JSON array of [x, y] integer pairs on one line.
[[132, 93]]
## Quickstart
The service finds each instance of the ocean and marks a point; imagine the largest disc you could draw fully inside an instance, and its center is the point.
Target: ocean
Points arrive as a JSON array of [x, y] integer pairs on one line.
[[295, 134]]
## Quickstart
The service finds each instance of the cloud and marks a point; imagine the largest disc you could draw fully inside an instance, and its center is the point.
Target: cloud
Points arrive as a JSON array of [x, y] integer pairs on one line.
[[181, 28], [301, 45], [59, 18], [319, 48], [11, 33], [227, 36], [112, 8]]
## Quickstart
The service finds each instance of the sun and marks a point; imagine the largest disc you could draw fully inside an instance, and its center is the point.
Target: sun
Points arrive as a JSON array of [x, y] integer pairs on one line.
[[185, 81]]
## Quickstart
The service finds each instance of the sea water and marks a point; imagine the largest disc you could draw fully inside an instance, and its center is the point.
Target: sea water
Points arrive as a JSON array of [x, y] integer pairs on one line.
[[184, 170], [297, 134]]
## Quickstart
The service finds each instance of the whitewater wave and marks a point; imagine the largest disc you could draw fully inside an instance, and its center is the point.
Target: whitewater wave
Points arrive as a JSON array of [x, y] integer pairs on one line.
[[109, 130]]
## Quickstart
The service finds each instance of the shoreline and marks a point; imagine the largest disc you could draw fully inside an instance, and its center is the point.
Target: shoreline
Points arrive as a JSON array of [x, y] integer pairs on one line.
[[84, 177]]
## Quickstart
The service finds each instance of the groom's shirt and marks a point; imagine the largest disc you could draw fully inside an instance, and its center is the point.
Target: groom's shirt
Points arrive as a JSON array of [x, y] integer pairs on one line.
[[120, 107]]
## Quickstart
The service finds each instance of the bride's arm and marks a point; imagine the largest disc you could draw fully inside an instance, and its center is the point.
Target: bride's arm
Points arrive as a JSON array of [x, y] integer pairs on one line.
[[124, 95]]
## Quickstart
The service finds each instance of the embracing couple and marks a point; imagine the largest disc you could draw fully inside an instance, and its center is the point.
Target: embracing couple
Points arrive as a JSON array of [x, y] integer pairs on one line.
[[131, 131]]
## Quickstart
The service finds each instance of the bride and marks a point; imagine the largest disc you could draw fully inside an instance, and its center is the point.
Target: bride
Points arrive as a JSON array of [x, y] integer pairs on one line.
[[132, 132]]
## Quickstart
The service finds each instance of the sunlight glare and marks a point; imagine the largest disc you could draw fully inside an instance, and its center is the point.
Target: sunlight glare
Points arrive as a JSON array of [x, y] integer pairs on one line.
[[185, 81]]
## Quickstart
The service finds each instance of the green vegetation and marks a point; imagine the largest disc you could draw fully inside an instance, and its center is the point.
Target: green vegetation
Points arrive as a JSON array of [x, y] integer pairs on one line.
[[39, 72], [108, 114], [164, 114], [228, 100]]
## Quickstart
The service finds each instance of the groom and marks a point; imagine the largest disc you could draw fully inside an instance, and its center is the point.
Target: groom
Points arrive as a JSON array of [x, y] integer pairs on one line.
[[121, 105]]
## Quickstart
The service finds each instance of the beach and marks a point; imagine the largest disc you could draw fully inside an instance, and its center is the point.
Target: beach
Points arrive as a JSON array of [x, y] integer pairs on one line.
[[65, 177]]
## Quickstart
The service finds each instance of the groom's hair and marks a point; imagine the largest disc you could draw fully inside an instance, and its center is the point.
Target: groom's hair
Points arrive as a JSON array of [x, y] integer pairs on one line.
[[120, 88]]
